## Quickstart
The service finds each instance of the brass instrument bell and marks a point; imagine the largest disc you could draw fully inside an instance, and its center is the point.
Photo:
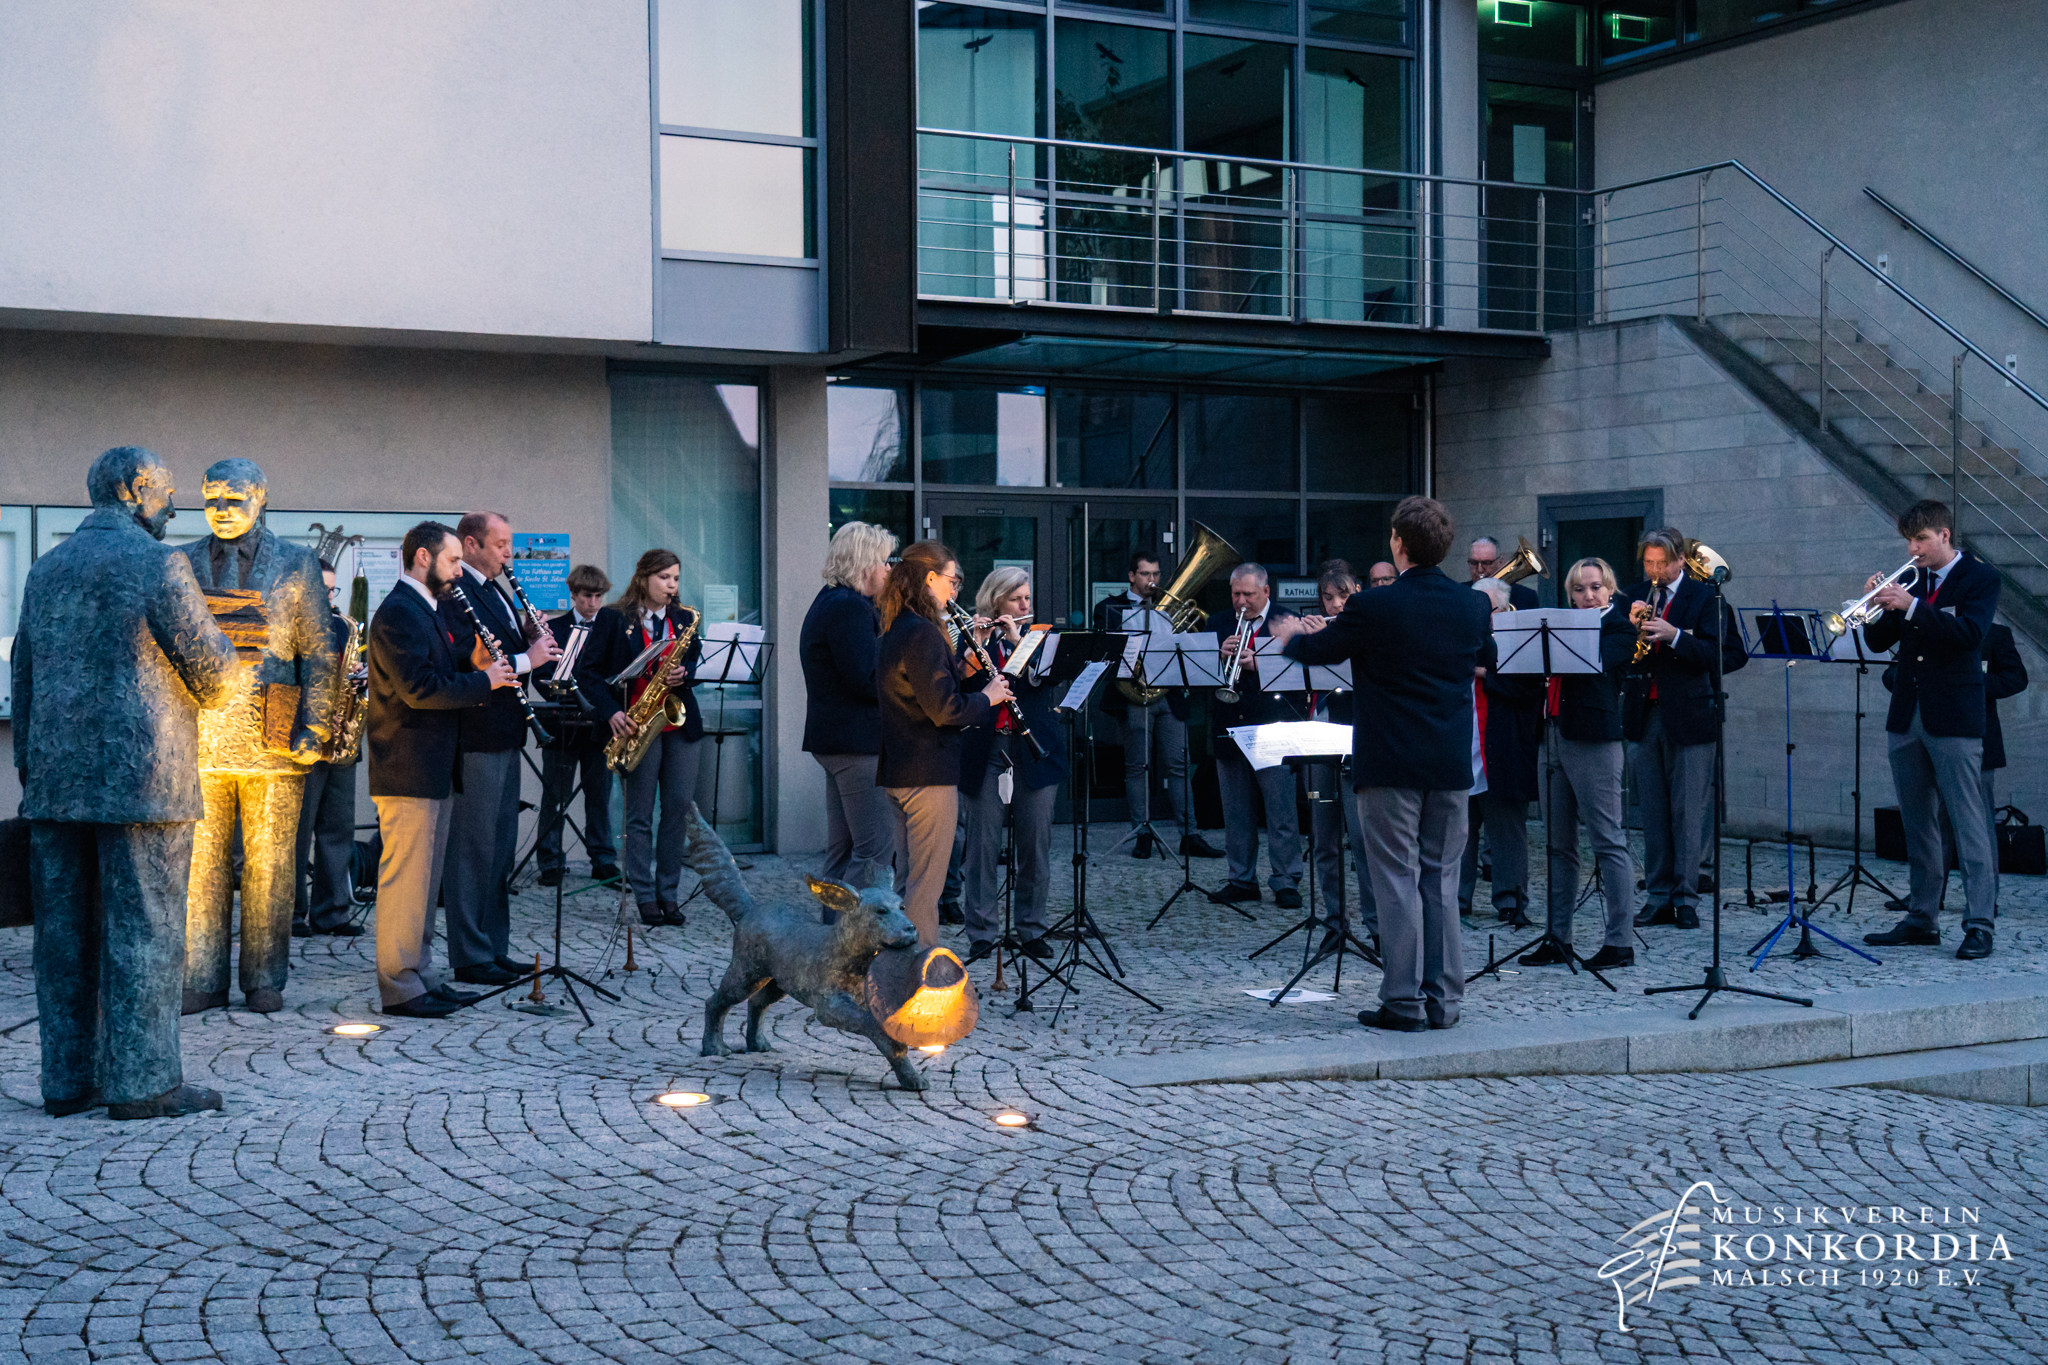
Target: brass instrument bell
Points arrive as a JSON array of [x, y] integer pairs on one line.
[[1524, 563]]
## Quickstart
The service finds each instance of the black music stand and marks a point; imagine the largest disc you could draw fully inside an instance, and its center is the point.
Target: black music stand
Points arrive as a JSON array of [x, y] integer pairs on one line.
[[1147, 619], [1085, 658], [728, 663], [1312, 956], [1549, 648], [1857, 874], [1185, 664]]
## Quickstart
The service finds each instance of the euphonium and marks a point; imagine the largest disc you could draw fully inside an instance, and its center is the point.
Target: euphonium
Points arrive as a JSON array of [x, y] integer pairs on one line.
[[1208, 553], [659, 706], [351, 696], [1525, 563]]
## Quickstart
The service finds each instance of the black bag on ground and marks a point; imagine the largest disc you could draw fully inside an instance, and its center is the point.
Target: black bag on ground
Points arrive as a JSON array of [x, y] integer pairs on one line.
[[2022, 847]]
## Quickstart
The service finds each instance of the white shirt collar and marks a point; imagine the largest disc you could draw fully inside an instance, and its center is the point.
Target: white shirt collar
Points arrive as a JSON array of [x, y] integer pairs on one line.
[[1941, 574], [474, 572], [421, 589]]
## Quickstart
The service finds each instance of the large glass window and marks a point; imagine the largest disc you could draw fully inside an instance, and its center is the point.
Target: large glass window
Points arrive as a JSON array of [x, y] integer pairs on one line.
[[1355, 532], [737, 198], [867, 432], [1114, 440], [1238, 101], [1369, 21], [739, 66], [1358, 443], [984, 436], [1271, 14], [15, 555], [1240, 441], [1259, 529], [878, 508], [1533, 30], [1113, 83], [1641, 27], [979, 70]]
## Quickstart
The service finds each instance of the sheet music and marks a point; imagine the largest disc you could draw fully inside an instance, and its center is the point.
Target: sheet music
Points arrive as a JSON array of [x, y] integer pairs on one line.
[[640, 662], [1134, 646], [732, 652], [1084, 683], [1265, 746], [572, 650], [1278, 673], [1020, 658]]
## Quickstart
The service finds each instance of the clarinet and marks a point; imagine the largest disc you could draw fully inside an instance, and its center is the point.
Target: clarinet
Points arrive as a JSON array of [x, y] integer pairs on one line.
[[964, 620], [534, 625], [497, 652]]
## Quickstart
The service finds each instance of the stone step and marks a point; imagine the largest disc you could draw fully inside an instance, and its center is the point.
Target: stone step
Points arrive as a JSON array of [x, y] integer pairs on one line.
[[1994, 1073]]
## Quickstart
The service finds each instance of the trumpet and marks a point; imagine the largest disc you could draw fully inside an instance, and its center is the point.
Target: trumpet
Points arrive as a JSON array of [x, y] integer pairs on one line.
[[1227, 694], [1861, 611]]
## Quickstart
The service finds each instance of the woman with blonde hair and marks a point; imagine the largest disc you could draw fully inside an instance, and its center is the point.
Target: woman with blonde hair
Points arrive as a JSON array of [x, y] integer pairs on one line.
[[654, 863], [924, 702], [842, 721], [989, 751]]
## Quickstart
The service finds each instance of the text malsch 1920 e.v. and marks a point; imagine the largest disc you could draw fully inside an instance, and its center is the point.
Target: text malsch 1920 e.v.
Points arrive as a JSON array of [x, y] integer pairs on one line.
[[1818, 1258]]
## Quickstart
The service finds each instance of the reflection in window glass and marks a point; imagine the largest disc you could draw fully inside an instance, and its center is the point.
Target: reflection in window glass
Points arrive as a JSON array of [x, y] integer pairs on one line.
[[1113, 440], [984, 436], [739, 66], [1236, 100], [1533, 30], [1369, 21], [1272, 14], [1724, 18], [1358, 442], [979, 70], [1261, 530], [891, 511], [1240, 441], [867, 433], [743, 198], [1352, 531], [1113, 83], [1352, 111], [1641, 27]]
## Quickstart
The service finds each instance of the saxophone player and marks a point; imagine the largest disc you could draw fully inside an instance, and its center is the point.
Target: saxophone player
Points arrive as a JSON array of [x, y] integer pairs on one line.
[[321, 900]]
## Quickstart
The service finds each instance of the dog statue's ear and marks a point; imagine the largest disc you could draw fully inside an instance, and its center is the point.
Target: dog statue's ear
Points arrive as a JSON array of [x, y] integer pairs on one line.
[[836, 896]]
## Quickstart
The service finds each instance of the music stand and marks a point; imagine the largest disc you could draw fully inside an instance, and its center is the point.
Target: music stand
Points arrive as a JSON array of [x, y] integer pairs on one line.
[[735, 654], [1184, 661], [1845, 649], [1142, 626], [1550, 642]]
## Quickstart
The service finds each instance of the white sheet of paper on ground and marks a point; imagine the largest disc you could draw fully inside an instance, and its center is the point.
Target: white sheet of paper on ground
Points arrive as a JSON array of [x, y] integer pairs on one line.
[[1297, 996], [1266, 745]]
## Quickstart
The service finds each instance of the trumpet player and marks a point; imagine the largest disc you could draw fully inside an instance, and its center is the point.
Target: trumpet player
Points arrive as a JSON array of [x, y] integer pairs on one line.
[[1250, 619], [1670, 716], [649, 614], [483, 818], [1938, 620]]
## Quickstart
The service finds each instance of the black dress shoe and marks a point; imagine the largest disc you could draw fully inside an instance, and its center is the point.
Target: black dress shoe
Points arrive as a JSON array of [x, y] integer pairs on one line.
[[427, 1006], [515, 966], [1141, 847], [345, 929], [1611, 957], [650, 915], [1656, 914], [173, 1103], [1037, 949], [1903, 935], [58, 1109], [1233, 893], [1382, 1018], [549, 876], [1192, 846], [671, 914], [447, 994], [1688, 918], [485, 974], [1976, 944], [301, 929], [604, 872], [1287, 898], [978, 950], [1549, 953], [951, 914]]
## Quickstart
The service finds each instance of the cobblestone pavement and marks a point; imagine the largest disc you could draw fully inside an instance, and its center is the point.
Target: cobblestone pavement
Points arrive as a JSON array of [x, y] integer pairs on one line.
[[501, 1186]]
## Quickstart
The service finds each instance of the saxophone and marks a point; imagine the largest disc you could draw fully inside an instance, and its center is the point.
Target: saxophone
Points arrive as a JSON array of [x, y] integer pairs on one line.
[[351, 697], [659, 707]]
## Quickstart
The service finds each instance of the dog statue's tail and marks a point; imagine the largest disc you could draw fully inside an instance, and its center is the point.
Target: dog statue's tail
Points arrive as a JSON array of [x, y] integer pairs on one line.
[[711, 860]]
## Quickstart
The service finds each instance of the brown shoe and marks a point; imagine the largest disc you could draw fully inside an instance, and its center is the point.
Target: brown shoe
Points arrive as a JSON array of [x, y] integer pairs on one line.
[[176, 1102]]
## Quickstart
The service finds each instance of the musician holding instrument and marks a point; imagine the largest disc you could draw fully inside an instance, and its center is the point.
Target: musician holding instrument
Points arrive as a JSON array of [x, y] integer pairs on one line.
[[483, 819], [321, 898], [994, 756], [1155, 732], [925, 701], [1337, 814], [648, 613], [1937, 619], [1510, 710], [1482, 560], [1251, 618], [580, 752]]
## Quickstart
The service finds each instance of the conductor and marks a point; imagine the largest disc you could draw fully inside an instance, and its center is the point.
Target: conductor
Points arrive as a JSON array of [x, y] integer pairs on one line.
[[1414, 650]]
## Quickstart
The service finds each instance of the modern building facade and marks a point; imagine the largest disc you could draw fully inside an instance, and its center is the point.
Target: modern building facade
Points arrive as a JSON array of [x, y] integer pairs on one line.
[[1049, 281]]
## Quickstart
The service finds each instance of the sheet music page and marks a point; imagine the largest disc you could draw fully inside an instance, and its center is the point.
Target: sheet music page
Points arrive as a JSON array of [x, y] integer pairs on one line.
[[565, 667], [640, 662], [1134, 645], [1020, 658], [1265, 746], [1077, 695]]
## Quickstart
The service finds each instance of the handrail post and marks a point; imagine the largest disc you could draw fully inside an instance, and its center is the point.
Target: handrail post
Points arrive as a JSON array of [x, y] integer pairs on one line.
[[1011, 235], [1820, 397], [1158, 304], [1427, 233], [1051, 253], [1604, 206], [1699, 250], [1542, 258], [1955, 434]]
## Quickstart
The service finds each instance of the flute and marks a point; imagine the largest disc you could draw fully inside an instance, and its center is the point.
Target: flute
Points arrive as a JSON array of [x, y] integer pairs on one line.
[[497, 653], [964, 619]]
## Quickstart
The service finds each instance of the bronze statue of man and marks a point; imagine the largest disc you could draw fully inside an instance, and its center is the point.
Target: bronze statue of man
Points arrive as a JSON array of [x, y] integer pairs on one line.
[[115, 657], [255, 751]]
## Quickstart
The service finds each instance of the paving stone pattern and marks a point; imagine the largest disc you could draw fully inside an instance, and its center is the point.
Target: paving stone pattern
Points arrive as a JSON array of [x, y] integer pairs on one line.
[[499, 1186]]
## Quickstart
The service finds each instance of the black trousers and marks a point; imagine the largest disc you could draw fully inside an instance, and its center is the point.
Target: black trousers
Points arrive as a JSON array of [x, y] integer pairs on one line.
[[327, 840]]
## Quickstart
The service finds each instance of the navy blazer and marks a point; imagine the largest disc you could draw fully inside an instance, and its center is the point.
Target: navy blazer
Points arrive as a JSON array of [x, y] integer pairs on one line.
[[1589, 704], [581, 738], [923, 705], [500, 723], [419, 690], [841, 639], [615, 642], [1255, 707], [1514, 732], [2005, 675], [1682, 674], [1036, 701], [1941, 652], [1413, 646], [1109, 615]]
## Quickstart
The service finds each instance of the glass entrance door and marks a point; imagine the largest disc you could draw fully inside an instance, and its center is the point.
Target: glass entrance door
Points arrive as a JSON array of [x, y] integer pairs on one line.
[[1101, 536], [1531, 138], [989, 532]]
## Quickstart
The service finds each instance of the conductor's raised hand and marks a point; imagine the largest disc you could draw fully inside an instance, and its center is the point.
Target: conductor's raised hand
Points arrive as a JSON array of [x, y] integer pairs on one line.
[[998, 690]]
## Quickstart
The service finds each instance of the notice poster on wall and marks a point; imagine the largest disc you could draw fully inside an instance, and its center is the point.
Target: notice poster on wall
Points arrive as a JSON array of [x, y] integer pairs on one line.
[[541, 559], [377, 563], [721, 601]]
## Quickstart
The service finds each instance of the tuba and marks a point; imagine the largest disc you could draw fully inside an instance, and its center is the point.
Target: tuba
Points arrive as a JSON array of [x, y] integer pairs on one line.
[[1525, 563], [351, 700], [1209, 553], [660, 706]]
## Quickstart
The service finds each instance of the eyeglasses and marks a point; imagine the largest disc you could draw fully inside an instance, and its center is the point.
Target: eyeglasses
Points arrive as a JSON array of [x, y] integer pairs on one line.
[[955, 579]]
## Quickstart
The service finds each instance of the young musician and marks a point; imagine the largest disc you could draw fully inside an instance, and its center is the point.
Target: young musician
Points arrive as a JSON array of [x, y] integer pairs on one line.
[[1586, 711], [923, 705], [841, 636], [483, 820], [420, 688], [1251, 602], [321, 899], [1154, 734], [989, 751], [580, 751], [1938, 620], [1670, 715], [648, 612], [1511, 731], [1337, 814], [1414, 650]]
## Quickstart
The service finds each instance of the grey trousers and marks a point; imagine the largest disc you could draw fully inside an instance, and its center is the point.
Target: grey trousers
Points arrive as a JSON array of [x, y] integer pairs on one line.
[[483, 834], [1988, 780], [1155, 741], [1332, 818], [1033, 813], [1237, 780], [1412, 840], [860, 823], [1506, 826], [109, 956], [1925, 766], [558, 771], [654, 861], [413, 832], [268, 804], [1674, 784], [321, 895], [928, 816], [1586, 784]]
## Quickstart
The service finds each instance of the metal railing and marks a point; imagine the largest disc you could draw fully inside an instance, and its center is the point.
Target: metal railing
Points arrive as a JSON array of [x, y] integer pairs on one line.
[[1910, 223]]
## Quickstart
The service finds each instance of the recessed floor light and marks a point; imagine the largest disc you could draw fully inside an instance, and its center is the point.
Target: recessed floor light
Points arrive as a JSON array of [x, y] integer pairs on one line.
[[932, 1049], [356, 1030], [682, 1099], [1012, 1119]]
